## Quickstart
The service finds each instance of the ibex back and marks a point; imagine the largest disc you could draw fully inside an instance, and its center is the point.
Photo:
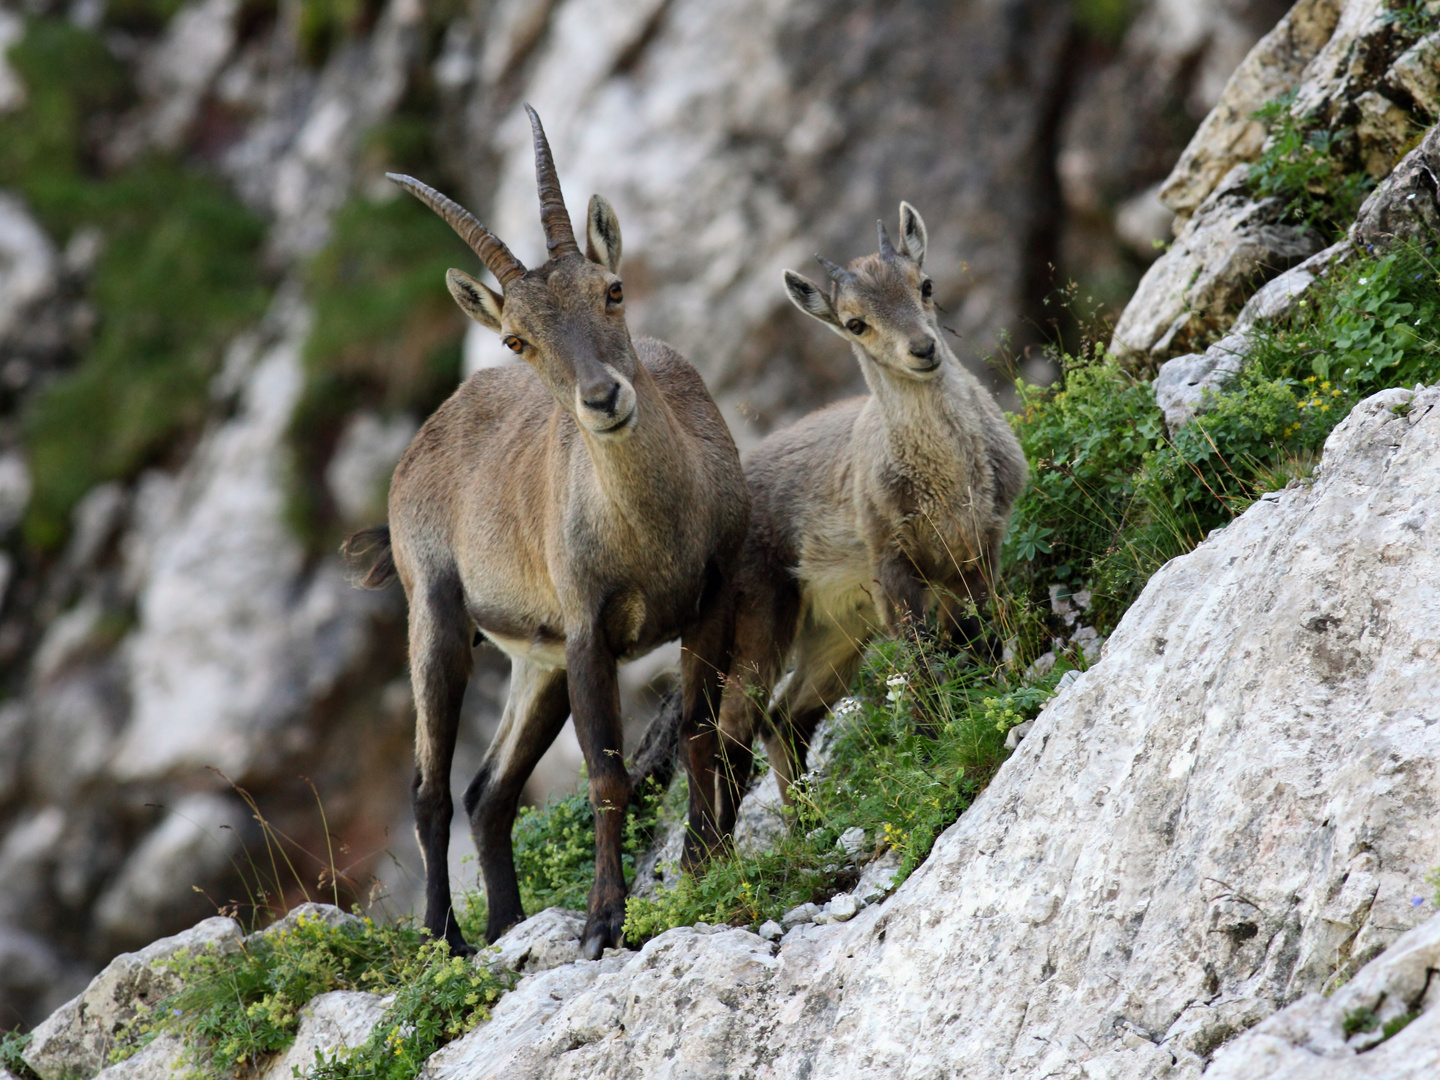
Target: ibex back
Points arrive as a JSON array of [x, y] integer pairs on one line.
[[868, 515], [578, 511]]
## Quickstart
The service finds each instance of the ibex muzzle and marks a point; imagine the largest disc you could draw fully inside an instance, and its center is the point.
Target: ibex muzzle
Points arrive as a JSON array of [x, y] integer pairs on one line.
[[578, 511]]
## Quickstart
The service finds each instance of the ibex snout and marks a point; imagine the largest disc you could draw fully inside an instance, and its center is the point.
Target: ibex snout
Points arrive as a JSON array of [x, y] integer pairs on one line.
[[605, 401], [923, 348]]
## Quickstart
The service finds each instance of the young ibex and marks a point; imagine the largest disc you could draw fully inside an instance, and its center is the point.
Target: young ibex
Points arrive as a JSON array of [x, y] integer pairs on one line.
[[578, 511], [868, 514]]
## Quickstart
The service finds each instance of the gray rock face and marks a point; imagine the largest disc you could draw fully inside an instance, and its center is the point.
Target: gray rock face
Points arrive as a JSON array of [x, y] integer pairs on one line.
[[543, 941], [1320, 1038], [1407, 202], [1222, 254], [1330, 53], [1183, 381], [76, 1039], [332, 1022], [1231, 810], [1230, 134]]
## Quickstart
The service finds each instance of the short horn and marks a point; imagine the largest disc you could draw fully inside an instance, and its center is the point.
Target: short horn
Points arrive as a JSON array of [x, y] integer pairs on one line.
[[559, 233], [887, 250], [838, 274], [493, 253]]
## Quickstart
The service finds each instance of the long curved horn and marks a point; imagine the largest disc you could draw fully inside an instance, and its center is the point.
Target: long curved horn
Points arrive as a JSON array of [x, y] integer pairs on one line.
[[887, 250], [559, 233], [493, 253], [838, 274]]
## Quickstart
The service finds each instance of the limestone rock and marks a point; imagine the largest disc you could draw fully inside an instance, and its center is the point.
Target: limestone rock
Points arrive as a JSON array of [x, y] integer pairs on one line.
[[543, 941], [164, 1058], [1229, 247], [1182, 382], [1230, 134], [76, 1039], [1417, 73], [1406, 204], [697, 985], [28, 263], [339, 1020], [1324, 1038], [1229, 811], [235, 635]]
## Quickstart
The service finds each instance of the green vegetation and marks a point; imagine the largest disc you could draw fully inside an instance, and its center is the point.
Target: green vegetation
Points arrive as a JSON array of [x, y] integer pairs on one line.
[[901, 788], [236, 1007], [1111, 498], [178, 276], [1106, 21], [555, 853], [1304, 165], [12, 1045]]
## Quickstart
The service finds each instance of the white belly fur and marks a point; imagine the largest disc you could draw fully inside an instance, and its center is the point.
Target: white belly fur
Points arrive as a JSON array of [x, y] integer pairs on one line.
[[550, 654]]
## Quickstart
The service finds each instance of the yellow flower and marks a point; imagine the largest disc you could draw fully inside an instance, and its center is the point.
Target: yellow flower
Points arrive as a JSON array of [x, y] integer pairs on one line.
[[1324, 408], [1334, 393]]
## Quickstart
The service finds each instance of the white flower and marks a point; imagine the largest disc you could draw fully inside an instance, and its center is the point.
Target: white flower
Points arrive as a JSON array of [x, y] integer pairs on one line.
[[1364, 281]]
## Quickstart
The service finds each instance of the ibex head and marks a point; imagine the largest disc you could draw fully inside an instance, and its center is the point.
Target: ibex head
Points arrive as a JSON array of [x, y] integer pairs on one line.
[[882, 303], [566, 319]]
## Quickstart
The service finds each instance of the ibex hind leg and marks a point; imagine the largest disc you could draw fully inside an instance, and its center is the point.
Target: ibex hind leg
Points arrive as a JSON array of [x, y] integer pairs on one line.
[[535, 712], [439, 670], [705, 652], [764, 632], [827, 656]]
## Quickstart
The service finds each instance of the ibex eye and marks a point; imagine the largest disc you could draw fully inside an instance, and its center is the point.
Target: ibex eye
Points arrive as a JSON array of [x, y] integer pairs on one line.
[[926, 288], [616, 294], [855, 326], [514, 344]]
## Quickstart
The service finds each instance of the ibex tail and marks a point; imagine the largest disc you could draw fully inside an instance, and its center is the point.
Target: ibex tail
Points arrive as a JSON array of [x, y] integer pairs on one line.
[[365, 544]]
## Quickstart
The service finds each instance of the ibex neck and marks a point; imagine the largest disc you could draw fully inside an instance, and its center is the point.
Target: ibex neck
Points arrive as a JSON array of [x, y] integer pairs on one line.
[[641, 477], [912, 410]]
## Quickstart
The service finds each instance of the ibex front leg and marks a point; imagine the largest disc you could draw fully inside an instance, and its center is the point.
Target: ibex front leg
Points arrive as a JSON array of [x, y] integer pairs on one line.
[[905, 598], [595, 705]]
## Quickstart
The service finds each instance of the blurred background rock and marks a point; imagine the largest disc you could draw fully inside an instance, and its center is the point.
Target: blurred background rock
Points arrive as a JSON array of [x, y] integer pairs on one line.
[[219, 326]]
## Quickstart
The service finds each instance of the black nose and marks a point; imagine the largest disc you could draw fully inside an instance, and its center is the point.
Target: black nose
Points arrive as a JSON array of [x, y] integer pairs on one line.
[[604, 402], [923, 348]]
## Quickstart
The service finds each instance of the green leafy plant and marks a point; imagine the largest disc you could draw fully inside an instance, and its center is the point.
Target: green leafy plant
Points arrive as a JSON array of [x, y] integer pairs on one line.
[[899, 787], [12, 1045], [1303, 165], [236, 1007]]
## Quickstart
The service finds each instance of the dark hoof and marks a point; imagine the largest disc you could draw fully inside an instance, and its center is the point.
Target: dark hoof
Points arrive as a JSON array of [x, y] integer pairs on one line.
[[602, 934]]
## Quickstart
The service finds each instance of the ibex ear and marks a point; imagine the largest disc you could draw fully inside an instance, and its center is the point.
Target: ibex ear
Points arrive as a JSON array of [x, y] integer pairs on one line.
[[602, 234], [811, 299], [912, 233], [475, 298]]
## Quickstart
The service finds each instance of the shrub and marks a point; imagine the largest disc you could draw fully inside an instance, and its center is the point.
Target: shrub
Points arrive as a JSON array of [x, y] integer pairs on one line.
[[901, 788], [1302, 164], [237, 1007]]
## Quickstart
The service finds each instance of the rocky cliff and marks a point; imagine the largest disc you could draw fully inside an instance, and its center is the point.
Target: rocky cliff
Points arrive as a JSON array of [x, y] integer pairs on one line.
[[1209, 854], [171, 487]]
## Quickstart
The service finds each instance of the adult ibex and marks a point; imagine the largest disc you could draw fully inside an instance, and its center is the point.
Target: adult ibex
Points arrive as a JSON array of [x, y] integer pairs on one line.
[[868, 514], [578, 511]]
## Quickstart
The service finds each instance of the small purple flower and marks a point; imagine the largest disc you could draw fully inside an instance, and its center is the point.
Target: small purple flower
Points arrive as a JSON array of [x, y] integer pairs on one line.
[[1416, 901]]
